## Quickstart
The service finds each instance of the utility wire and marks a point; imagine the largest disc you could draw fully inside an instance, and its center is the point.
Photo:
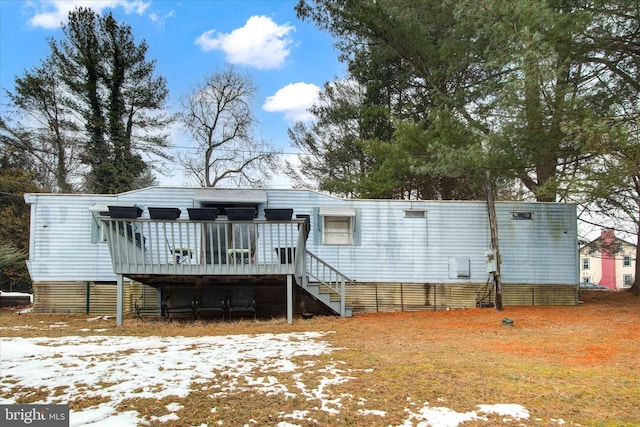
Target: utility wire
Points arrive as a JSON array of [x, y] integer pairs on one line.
[[243, 151]]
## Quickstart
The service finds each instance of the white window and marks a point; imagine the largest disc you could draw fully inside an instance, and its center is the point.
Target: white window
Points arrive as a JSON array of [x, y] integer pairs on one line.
[[98, 228], [586, 280], [415, 213], [627, 280], [522, 216], [338, 230], [103, 232], [338, 225], [585, 263], [98, 231], [626, 261]]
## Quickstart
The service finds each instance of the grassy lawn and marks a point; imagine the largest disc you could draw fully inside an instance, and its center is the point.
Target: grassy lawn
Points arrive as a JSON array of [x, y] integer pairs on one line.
[[565, 365]]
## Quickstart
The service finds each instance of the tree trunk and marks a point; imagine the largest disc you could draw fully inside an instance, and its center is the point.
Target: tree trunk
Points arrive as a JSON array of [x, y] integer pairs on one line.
[[635, 288]]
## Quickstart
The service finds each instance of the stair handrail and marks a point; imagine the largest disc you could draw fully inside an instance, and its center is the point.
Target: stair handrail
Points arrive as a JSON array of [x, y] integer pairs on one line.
[[325, 274]]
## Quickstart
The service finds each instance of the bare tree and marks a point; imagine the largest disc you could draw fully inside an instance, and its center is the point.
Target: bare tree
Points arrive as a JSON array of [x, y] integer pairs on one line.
[[218, 113]]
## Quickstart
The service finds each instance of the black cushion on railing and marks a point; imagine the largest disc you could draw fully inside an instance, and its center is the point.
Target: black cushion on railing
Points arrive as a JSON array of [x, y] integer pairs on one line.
[[164, 213], [278, 214], [202, 214]]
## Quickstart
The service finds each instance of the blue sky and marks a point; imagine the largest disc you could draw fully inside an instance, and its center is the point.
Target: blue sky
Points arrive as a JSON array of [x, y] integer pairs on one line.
[[288, 59]]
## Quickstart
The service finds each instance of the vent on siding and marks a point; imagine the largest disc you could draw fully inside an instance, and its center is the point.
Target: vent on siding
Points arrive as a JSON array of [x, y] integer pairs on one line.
[[522, 215], [415, 213]]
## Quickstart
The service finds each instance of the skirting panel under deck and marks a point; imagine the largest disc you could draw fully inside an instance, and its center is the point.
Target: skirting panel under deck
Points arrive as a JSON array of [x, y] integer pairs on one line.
[[85, 297], [100, 298], [381, 297]]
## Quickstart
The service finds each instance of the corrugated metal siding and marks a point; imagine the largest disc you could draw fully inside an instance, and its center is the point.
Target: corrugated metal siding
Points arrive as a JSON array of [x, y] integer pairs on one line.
[[396, 249], [71, 297], [61, 248], [542, 250], [390, 249], [523, 294], [384, 297], [61, 297], [457, 230]]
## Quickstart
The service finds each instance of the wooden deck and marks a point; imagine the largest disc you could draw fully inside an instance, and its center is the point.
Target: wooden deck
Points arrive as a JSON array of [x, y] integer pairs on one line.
[[145, 247], [182, 251]]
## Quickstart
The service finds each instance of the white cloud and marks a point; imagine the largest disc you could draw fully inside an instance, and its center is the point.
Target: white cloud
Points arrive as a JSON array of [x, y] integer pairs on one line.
[[261, 43], [294, 100], [160, 20], [50, 14]]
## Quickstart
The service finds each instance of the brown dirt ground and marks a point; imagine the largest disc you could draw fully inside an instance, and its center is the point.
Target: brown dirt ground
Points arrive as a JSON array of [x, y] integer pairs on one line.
[[578, 363]]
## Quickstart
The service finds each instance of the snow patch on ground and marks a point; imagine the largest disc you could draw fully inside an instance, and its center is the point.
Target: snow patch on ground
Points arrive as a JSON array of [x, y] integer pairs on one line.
[[125, 367], [444, 417]]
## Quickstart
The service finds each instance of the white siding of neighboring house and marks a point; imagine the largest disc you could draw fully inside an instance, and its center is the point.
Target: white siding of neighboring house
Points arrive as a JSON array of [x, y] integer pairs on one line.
[[594, 272]]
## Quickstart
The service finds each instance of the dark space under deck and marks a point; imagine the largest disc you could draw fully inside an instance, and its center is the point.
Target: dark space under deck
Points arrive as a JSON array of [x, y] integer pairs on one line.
[[215, 296]]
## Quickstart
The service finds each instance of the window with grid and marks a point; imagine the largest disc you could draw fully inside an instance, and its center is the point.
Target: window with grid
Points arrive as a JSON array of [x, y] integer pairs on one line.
[[585, 263], [626, 261]]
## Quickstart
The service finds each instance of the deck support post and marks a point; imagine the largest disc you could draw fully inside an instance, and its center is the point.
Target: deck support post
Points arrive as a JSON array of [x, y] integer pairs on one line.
[[289, 299], [119, 299], [343, 311]]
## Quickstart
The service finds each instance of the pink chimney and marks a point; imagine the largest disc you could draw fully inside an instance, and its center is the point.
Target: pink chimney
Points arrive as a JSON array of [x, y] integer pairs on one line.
[[608, 252]]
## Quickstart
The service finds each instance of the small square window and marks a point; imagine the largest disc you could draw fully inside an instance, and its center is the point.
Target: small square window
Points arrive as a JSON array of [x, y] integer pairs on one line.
[[522, 215], [338, 225]]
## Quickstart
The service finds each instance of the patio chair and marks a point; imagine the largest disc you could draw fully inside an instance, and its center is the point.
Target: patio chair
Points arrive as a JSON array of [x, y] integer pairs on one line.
[[214, 301], [242, 301], [165, 309], [138, 307]]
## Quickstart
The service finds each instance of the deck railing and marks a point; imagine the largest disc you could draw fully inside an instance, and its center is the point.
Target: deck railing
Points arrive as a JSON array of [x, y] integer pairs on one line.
[[219, 247], [323, 274]]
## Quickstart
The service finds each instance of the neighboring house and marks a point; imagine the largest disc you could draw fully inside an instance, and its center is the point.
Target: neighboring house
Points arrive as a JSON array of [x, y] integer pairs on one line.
[[389, 255], [608, 261]]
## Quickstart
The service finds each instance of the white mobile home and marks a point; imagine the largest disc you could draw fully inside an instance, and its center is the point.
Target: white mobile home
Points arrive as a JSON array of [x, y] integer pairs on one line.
[[340, 255]]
